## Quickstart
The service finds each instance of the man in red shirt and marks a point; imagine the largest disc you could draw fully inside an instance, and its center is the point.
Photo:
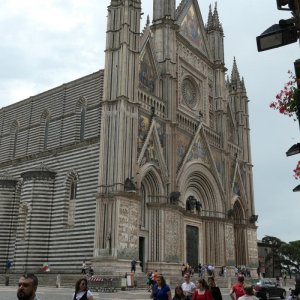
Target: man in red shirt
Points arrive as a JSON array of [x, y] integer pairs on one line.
[[238, 289]]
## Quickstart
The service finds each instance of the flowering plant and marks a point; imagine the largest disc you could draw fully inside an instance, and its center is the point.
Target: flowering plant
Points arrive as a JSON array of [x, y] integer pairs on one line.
[[297, 171], [286, 99]]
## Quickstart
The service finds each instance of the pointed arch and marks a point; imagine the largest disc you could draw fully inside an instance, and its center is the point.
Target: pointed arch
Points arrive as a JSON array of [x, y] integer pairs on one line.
[[45, 123], [14, 131], [198, 181], [153, 193], [81, 108], [71, 184], [239, 216]]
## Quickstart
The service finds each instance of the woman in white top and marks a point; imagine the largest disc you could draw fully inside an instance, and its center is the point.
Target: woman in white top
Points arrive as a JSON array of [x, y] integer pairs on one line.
[[81, 290]]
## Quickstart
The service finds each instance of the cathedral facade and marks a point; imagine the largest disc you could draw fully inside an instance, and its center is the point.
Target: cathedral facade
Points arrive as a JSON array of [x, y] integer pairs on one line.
[[148, 159]]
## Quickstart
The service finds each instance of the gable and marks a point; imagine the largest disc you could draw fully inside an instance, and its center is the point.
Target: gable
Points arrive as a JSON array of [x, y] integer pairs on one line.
[[147, 70], [192, 26], [199, 151]]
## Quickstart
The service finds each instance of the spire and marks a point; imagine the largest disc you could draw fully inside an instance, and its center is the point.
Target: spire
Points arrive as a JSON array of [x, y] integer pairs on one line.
[[235, 76], [216, 21], [210, 19]]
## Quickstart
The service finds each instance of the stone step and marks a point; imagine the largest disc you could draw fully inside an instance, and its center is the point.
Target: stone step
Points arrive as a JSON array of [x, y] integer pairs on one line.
[[139, 279]]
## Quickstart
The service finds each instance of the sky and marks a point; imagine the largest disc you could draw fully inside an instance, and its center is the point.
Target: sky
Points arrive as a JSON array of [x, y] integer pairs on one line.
[[50, 42]]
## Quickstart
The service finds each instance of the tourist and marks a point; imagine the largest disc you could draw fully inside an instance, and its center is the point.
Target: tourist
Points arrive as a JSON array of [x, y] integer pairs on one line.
[[237, 289], [83, 269], [179, 295], [133, 265], [81, 290], [249, 294], [183, 270], [161, 291], [149, 281], [188, 287], [27, 287], [154, 277], [214, 289], [202, 292]]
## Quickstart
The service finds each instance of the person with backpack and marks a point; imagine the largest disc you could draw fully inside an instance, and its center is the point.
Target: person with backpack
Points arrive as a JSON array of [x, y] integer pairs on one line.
[[237, 289]]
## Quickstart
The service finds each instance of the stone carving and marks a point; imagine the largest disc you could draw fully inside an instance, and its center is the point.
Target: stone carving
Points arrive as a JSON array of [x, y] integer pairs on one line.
[[189, 93], [174, 197], [172, 231], [129, 185], [229, 238], [193, 204], [128, 228]]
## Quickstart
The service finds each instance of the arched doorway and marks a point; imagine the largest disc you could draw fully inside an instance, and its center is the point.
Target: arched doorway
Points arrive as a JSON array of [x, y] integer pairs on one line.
[[239, 234], [152, 192]]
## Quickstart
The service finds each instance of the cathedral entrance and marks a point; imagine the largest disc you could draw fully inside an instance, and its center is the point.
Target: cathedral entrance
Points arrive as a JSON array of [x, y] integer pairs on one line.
[[141, 252], [192, 246], [239, 235]]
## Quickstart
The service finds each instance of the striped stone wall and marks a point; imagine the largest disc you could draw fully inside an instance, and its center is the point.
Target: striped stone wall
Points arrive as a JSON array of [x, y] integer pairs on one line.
[[35, 206]]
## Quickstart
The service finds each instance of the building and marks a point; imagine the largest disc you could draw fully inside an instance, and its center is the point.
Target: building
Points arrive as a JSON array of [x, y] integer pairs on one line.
[[148, 159]]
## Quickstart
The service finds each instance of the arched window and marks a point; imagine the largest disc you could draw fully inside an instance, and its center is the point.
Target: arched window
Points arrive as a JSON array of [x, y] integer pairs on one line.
[[14, 138], [71, 194], [46, 132], [81, 108], [82, 123], [45, 123]]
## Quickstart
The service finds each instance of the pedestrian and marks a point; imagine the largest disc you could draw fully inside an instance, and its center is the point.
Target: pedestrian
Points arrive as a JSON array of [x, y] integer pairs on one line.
[[202, 292], [284, 279], [161, 291], [249, 294], [27, 287], [258, 271], [133, 265], [199, 269], [179, 295], [214, 289], [183, 269], [81, 290], [188, 287], [237, 289], [8, 265], [83, 269], [149, 281], [154, 277]]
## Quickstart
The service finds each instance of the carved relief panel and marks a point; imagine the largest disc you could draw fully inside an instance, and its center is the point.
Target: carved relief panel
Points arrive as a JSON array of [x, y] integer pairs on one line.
[[172, 237], [128, 229], [229, 238]]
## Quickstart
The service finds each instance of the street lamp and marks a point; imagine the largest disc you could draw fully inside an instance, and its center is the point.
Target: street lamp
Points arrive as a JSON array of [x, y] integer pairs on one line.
[[276, 36]]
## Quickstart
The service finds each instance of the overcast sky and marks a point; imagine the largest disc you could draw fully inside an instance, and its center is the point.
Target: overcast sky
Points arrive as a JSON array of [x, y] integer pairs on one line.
[[45, 43]]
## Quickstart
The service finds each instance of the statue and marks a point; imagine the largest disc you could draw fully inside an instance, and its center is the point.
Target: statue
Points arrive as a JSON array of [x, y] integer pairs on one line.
[[174, 197], [191, 203], [129, 185]]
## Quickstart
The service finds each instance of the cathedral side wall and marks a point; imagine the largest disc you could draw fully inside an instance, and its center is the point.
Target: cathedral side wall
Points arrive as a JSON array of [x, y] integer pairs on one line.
[[66, 245], [67, 236], [62, 106]]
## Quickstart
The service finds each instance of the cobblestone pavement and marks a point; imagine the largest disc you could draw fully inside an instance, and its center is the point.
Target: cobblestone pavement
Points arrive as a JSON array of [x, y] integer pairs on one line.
[[49, 293]]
